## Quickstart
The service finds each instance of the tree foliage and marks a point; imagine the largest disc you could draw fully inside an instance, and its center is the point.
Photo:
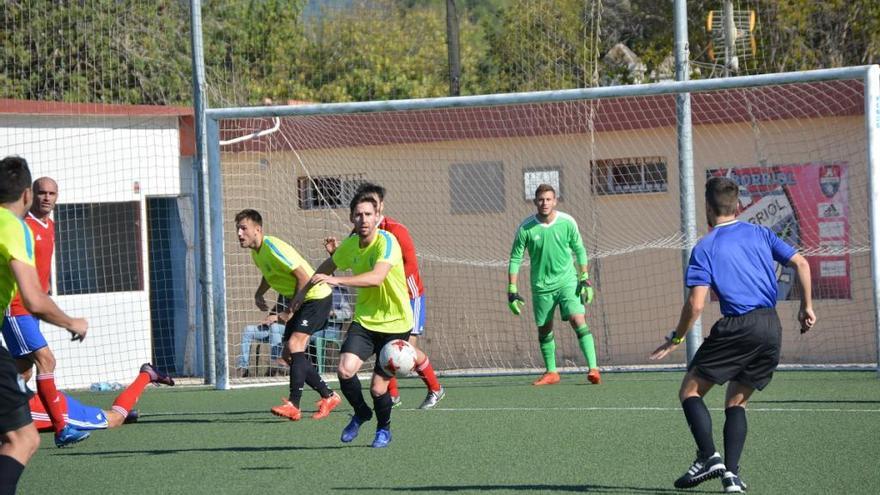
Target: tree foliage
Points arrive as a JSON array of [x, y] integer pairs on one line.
[[138, 51]]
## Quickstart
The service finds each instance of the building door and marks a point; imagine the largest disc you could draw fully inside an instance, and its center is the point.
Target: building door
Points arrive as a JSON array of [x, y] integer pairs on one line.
[[168, 301]]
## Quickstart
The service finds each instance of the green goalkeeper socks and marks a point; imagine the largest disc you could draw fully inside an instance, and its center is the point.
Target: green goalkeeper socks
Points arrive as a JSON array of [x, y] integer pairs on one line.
[[588, 347], [548, 349]]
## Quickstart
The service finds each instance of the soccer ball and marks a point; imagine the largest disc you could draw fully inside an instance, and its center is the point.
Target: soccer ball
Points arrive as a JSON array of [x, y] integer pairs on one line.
[[398, 357]]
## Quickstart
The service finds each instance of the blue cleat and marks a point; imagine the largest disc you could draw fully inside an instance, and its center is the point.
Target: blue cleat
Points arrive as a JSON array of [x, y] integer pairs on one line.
[[69, 436], [350, 432], [132, 417], [383, 438]]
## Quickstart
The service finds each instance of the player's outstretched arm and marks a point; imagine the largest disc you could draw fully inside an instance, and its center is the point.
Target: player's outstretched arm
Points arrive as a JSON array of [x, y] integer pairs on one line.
[[805, 315], [690, 313], [41, 305], [372, 278], [325, 268]]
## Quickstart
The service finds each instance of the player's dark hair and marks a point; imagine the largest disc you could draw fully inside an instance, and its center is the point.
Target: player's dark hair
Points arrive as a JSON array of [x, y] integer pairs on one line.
[[544, 188], [15, 177], [371, 188], [722, 196], [363, 197], [252, 215]]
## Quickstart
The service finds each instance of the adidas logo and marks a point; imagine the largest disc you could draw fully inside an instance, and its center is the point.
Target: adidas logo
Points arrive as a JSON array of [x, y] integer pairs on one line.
[[829, 210]]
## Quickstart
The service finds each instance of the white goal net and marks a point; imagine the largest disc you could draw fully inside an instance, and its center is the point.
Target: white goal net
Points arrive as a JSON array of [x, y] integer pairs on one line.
[[461, 180]]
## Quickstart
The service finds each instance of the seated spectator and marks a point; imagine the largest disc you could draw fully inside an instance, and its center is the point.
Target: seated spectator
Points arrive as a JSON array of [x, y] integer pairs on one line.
[[269, 330], [337, 323]]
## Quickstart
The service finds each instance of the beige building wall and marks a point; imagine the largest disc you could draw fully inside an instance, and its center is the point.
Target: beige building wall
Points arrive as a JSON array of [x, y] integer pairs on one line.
[[633, 239]]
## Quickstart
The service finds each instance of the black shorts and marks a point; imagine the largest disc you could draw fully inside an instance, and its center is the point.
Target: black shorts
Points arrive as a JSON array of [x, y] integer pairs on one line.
[[309, 318], [364, 343], [742, 348], [14, 395]]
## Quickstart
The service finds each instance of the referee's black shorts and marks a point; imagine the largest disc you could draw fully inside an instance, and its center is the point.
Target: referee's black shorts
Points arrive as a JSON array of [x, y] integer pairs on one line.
[[14, 396], [742, 348], [364, 343]]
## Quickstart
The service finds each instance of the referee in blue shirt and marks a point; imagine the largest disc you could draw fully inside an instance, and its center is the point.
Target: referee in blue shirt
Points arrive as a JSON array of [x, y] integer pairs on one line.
[[737, 261]]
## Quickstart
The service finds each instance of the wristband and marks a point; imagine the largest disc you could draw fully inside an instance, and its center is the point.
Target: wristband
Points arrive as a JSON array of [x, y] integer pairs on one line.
[[675, 340], [511, 289], [584, 276]]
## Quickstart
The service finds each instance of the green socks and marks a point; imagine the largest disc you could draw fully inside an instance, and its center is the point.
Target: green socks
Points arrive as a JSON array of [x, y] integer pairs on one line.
[[588, 347], [548, 350]]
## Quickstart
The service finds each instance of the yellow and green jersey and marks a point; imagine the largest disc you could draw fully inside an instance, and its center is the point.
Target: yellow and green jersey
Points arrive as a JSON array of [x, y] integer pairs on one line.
[[16, 243], [550, 247], [385, 308], [277, 260]]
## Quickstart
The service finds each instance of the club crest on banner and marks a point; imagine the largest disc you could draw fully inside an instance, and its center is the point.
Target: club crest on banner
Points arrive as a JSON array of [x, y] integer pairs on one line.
[[829, 179]]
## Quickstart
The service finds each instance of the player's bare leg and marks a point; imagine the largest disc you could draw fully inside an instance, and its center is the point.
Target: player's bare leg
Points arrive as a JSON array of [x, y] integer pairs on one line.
[[588, 346], [547, 344], [20, 444], [16, 449]]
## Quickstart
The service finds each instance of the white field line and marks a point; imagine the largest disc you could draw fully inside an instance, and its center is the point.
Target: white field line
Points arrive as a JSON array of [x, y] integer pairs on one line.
[[563, 409]]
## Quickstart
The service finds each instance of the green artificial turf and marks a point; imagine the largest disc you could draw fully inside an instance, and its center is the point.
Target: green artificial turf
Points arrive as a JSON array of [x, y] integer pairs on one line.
[[809, 432]]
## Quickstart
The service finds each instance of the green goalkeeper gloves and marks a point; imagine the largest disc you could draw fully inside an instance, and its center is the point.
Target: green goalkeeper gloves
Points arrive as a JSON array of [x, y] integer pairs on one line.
[[514, 301], [584, 288]]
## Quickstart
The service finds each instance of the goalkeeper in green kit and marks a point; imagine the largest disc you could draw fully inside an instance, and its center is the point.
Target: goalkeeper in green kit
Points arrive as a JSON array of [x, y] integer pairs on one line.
[[551, 237]]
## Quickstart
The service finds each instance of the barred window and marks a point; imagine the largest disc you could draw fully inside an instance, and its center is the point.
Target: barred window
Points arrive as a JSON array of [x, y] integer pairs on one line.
[[321, 192], [98, 248], [534, 177], [637, 175]]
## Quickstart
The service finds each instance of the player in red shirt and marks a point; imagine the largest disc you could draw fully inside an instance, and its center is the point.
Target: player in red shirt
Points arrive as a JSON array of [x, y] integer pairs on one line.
[[416, 294], [21, 330]]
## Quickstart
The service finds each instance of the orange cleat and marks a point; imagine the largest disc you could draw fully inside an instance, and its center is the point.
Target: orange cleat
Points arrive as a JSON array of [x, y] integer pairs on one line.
[[287, 410], [594, 377], [549, 378], [326, 405]]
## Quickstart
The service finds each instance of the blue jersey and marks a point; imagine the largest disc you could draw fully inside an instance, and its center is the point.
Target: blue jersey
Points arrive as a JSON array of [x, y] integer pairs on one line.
[[738, 261]]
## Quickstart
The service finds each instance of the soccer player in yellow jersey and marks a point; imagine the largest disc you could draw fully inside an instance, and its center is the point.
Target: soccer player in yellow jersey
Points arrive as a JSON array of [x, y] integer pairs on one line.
[[19, 439], [288, 273], [382, 312]]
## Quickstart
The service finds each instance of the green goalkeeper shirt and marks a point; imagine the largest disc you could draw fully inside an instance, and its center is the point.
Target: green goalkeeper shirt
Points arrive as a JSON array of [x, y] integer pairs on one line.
[[550, 246]]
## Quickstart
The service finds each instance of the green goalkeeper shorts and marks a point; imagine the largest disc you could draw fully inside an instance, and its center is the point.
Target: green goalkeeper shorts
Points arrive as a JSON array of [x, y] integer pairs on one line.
[[545, 302]]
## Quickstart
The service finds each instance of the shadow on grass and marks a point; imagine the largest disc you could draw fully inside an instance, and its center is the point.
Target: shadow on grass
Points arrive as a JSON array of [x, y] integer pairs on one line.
[[542, 488], [259, 449], [146, 421]]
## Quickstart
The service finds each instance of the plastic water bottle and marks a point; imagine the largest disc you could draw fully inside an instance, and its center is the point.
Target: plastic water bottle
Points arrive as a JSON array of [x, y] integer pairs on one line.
[[101, 387], [116, 386]]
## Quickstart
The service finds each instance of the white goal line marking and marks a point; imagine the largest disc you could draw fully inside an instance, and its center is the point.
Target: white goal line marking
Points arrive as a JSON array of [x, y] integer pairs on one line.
[[661, 409], [554, 409]]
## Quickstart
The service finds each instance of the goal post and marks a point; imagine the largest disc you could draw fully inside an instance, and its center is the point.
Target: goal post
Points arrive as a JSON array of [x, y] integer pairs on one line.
[[461, 168]]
